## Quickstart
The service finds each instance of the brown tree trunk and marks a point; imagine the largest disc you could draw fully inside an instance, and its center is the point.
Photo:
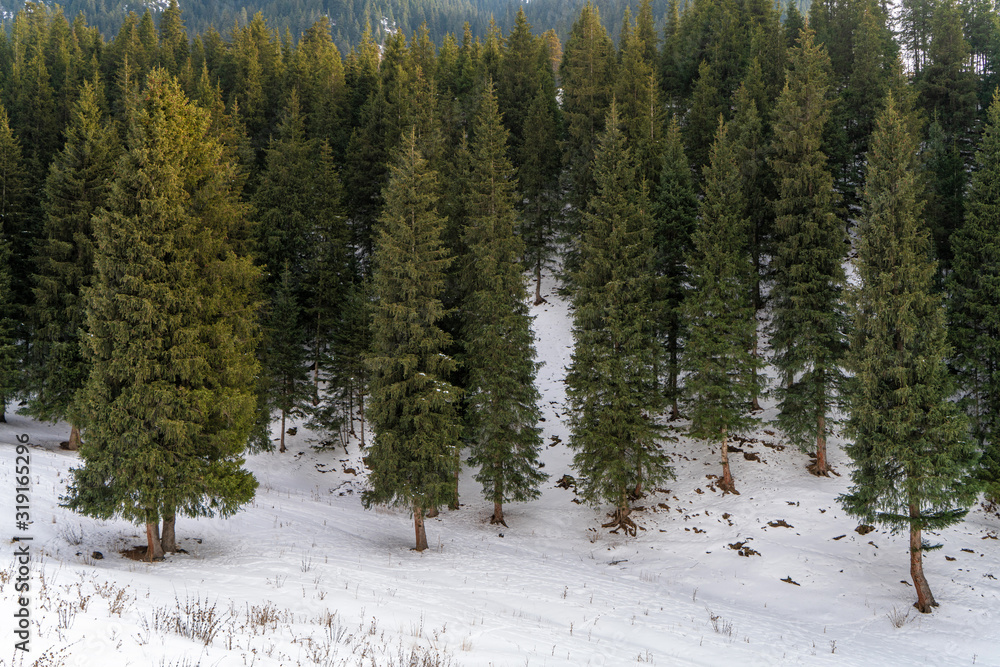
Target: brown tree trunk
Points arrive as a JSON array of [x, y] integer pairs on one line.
[[432, 513], [497, 517], [168, 541], [282, 449], [755, 403], [74, 438], [315, 397], [418, 528], [361, 406], [538, 282], [454, 504], [154, 550], [820, 467], [925, 599], [726, 484], [675, 413]]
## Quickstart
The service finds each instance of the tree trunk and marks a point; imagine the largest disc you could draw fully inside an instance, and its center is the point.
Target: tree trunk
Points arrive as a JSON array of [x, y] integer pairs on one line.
[[315, 398], [497, 517], [418, 528], [755, 403], [538, 282], [925, 599], [154, 550], [361, 406], [675, 414], [168, 541], [820, 467], [454, 505], [282, 449], [74, 438], [726, 484]]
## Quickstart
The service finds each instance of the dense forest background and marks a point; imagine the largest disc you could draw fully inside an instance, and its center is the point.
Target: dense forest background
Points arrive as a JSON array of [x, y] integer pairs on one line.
[[208, 229], [348, 17]]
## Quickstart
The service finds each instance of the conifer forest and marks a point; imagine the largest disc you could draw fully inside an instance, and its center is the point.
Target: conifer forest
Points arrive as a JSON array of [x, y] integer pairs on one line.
[[221, 221]]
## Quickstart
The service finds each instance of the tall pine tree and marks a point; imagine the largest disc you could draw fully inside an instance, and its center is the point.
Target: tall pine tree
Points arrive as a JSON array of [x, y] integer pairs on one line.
[[169, 402], [413, 407], [611, 383], [675, 210], [721, 366], [808, 322], [912, 454], [501, 400], [974, 286]]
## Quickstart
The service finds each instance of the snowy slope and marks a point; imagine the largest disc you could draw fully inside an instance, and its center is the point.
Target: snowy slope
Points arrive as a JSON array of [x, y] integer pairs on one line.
[[305, 576]]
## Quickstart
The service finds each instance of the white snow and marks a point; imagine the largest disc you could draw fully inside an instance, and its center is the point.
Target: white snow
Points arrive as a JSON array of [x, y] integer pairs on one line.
[[306, 576]]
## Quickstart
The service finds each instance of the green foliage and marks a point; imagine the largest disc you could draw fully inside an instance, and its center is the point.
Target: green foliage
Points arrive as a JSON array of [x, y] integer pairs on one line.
[[413, 405], [587, 73], [284, 384], [807, 326], [612, 383], [912, 454], [675, 212], [974, 320], [169, 401], [539, 180], [77, 188], [721, 378], [15, 239], [502, 402]]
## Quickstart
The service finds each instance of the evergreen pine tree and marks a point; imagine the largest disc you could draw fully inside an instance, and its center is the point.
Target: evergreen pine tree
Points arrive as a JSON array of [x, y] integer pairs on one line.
[[539, 179], [807, 326], [285, 384], [169, 402], [757, 184], [911, 450], [77, 187], [499, 347], [413, 405], [718, 357], [707, 102], [15, 229], [676, 210], [974, 287], [586, 74], [10, 366], [611, 383]]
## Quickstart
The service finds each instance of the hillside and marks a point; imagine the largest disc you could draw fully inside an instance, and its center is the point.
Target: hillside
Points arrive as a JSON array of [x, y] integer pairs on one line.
[[304, 576]]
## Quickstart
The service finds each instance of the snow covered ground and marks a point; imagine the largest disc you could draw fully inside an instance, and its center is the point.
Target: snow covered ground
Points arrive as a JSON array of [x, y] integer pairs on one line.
[[305, 576]]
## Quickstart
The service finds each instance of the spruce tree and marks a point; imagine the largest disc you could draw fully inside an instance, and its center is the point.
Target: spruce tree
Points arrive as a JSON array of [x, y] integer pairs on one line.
[[611, 383], [77, 187], [587, 75], [413, 406], [499, 347], [538, 176], [718, 357], [757, 184], [807, 326], [675, 212], [911, 450], [973, 319], [285, 384], [15, 228], [10, 363], [169, 402]]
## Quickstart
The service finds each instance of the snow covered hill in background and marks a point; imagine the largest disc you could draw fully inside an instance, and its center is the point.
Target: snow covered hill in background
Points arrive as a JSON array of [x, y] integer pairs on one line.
[[304, 576]]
